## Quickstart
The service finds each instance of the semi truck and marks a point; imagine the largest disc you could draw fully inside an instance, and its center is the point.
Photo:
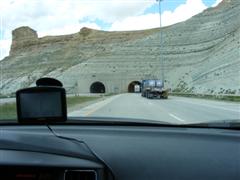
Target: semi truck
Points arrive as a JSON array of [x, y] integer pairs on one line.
[[153, 88]]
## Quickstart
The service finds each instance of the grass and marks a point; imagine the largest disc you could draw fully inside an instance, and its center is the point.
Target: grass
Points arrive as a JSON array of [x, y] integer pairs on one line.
[[8, 110]]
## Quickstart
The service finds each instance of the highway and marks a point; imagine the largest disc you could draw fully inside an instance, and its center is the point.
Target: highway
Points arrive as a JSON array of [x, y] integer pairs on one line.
[[177, 110]]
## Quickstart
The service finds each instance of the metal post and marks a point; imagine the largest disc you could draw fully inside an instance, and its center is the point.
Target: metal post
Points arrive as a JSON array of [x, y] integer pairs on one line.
[[1, 38], [161, 41]]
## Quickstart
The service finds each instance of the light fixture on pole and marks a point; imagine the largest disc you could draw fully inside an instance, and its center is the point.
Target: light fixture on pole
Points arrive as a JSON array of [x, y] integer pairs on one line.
[[161, 41], [1, 51]]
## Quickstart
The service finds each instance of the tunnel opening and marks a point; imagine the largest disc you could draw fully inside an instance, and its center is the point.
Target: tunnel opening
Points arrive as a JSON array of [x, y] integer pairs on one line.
[[134, 86], [97, 87]]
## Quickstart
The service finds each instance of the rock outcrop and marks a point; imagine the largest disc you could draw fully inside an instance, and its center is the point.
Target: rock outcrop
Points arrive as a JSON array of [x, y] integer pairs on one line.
[[200, 55], [22, 37]]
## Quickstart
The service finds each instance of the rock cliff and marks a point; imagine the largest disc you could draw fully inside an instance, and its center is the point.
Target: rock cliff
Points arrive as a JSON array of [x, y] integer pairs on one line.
[[200, 55]]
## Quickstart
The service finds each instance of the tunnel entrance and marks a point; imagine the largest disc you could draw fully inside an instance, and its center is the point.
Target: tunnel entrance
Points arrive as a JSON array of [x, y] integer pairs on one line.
[[134, 86], [97, 87]]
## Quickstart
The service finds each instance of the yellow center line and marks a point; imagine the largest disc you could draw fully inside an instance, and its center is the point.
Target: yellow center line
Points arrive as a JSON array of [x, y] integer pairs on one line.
[[92, 111], [102, 104]]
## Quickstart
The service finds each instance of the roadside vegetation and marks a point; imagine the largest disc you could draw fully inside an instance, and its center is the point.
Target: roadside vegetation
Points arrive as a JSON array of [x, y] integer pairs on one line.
[[183, 90], [8, 110], [233, 98]]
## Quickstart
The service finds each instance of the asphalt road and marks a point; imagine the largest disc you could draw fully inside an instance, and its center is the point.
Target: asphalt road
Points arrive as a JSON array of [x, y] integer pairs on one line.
[[178, 110]]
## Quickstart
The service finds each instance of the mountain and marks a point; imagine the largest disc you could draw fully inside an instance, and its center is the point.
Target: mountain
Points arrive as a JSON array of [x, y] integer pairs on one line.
[[200, 55]]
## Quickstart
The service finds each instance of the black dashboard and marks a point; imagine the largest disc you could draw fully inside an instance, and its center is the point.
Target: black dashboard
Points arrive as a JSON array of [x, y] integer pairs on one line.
[[88, 152], [37, 154], [46, 173]]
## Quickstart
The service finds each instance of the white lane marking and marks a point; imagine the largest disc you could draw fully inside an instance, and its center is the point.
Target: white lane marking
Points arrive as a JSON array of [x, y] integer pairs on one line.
[[88, 110], [211, 106], [175, 117]]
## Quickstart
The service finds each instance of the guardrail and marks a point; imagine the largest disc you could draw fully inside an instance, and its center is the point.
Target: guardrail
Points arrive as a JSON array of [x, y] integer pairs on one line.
[[227, 97]]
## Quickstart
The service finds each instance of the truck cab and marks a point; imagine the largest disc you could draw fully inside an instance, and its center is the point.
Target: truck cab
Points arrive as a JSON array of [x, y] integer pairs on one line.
[[154, 88]]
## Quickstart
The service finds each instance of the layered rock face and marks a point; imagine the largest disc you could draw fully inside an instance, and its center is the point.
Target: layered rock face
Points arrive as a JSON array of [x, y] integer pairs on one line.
[[200, 55], [23, 37]]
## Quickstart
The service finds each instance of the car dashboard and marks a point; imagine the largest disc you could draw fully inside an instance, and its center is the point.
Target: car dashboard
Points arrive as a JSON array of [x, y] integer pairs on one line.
[[96, 152], [46, 173], [44, 156]]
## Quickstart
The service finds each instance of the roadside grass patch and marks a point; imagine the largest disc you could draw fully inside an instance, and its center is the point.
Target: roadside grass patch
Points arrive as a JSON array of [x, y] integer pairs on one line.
[[8, 110], [231, 98]]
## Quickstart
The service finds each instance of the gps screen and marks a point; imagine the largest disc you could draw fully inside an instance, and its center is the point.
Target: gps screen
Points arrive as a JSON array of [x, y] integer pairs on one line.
[[41, 105]]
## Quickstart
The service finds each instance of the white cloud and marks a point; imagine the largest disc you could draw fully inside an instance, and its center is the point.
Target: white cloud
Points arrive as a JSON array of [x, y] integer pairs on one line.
[[56, 14], [116, 10], [55, 17], [69, 29], [181, 13], [4, 48], [216, 3], [136, 23]]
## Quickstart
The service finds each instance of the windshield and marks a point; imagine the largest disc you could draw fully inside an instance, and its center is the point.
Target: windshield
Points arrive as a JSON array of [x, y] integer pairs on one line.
[[164, 61]]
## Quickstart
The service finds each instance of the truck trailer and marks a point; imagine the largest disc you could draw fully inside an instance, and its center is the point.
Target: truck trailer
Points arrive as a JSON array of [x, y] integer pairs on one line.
[[153, 88]]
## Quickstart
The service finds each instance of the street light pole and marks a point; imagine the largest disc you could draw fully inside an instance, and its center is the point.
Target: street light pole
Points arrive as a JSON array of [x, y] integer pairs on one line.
[[1, 38], [161, 41]]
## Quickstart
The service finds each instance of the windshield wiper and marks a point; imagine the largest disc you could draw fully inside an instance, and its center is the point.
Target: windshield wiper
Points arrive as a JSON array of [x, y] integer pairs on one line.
[[114, 121], [99, 121], [224, 124], [221, 124]]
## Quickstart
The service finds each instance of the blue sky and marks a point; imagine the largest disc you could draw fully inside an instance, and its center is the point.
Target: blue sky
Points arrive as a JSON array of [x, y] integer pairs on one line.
[[171, 5], [58, 17], [167, 5]]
